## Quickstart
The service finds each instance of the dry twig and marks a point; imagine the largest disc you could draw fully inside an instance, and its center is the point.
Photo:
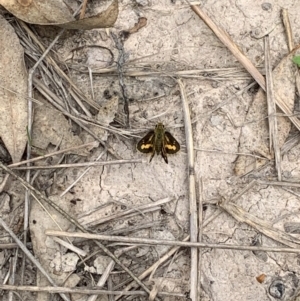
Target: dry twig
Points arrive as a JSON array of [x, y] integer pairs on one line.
[[273, 129], [260, 225], [200, 218], [62, 151], [288, 28], [91, 219], [82, 164], [149, 241], [192, 191], [83, 9], [82, 290], [228, 42]]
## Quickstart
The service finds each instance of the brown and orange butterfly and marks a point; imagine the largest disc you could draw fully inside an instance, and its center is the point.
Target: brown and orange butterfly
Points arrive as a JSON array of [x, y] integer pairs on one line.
[[159, 141]]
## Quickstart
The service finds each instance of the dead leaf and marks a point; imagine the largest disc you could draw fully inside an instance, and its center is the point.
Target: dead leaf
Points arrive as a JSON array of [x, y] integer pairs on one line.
[[51, 126], [142, 22], [13, 92], [104, 19], [39, 11], [56, 12], [254, 137]]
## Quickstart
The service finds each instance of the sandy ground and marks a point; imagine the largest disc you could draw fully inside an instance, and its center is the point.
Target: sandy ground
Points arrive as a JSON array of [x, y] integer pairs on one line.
[[220, 95]]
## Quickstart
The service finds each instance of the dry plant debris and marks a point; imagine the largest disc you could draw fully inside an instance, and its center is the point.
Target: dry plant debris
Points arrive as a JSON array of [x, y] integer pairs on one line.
[[254, 136], [13, 92], [58, 13], [127, 228]]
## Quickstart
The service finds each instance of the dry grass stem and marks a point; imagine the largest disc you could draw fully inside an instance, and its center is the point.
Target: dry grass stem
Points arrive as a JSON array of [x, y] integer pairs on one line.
[[273, 128], [4, 182], [148, 241], [92, 219], [70, 246], [262, 226], [83, 164], [228, 42], [83, 9], [63, 151], [290, 143], [288, 28], [60, 73], [205, 74], [283, 184], [192, 191], [226, 153], [13, 246], [138, 227], [200, 238], [83, 291], [12, 271], [21, 95], [80, 103]]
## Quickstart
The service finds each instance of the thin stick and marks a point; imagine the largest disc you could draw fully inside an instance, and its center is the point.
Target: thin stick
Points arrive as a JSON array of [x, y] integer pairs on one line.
[[80, 103], [12, 278], [70, 247], [66, 150], [288, 28], [83, 164], [12, 246], [121, 60], [75, 223], [244, 190], [284, 184], [228, 42], [82, 290], [192, 191], [260, 225], [200, 214], [273, 130], [4, 182], [30, 256], [90, 221], [83, 9], [148, 241]]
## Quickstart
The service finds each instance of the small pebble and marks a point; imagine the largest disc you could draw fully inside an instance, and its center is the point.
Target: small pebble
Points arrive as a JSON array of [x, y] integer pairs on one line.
[[266, 6]]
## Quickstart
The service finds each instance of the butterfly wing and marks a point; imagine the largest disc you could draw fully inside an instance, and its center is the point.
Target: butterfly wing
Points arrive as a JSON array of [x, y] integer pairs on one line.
[[170, 144], [146, 144]]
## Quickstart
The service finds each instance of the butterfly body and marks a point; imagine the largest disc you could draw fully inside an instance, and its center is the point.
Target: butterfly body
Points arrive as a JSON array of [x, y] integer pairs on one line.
[[159, 141]]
